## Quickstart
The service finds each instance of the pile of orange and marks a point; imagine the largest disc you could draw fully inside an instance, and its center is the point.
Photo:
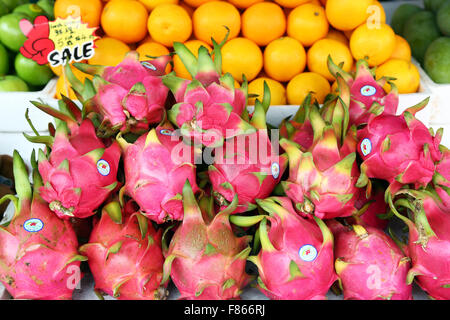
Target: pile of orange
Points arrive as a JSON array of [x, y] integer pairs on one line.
[[285, 42]]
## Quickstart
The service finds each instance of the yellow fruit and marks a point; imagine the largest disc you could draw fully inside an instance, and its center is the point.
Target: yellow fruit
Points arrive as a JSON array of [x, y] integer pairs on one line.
[[241, 56], [291, 3], [244, 4], [377, 15], [153, 49], [284, 58], [109, 52], [402, 49], [317, 57], [347, 14], [307, 23], [277, 91], [130, 27], [374, 44], [210, 18], [406, 74], [151, 4], [263, 22], [337, 35], [193, 46], [88, 10], [168, 23], [196, 3], [63, 86], [304, 83]]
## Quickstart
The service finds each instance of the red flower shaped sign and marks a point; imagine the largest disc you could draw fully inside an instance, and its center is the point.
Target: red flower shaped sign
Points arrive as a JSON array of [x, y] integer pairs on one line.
[[57, 42]]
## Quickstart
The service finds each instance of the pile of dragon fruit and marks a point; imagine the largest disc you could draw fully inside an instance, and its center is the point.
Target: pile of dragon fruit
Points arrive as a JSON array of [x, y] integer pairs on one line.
[[150, 179]]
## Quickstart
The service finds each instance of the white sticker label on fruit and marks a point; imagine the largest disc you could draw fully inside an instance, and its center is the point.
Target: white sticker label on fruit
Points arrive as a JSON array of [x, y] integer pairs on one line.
[[148, 65], [275, 169], [166, 132], [366, 147], [33, 225], [103, 167], [368, 91], [308, 253]]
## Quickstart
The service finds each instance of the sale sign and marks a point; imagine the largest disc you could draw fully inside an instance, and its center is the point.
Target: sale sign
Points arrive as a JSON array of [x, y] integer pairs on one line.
[[57, 42]]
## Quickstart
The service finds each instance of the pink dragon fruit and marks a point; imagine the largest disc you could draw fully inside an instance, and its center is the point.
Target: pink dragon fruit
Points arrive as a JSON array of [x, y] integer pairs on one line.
[[322, 181], [370, 210], [125, 255], [399, 149], [296, 257], [38, 256], [365, 91], [156, 167], [129, 96], [428, 242], [80, 171], [369, 264], [206, 261], [209, 109], [248, 165], [441, 178]]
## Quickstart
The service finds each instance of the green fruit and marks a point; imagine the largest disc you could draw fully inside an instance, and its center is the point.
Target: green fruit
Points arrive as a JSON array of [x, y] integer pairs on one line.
[[32, 10], [11, 83], [47, 6], [10, 34], [401, 14], [437, 60], [443, 18], [11, 4], [3, 9], [420, 30], [31, 72], [4, 60], [433, 5]]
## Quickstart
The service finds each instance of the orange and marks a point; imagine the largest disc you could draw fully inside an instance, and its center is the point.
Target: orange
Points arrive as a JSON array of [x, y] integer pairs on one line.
[[337, 35], [406, 74], [168, 23], [241, 56], [189, 9], [374, 44], [317, 57], [263, 22], [88, 10], [210, 18], [307, 23], [63, 85], [304, 83], [377, 15], [347, 14], [151, 4], [277, 91], [291, 3], [109, 52], [196, 3], [125, 20], [284, 58], [153, 49], [244, 4], [402, 49], [193, 46]]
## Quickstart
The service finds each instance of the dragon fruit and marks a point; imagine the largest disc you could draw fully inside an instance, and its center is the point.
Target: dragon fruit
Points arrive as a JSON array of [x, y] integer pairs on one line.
[[370, 210], [295, 261], [125, 255], [428, 242], [369, 264], [399, 149], [209, 108], [38, 256], [322, 181], [248, 165], [156, 167], [129, 96], [206, 261], [441, 178], [365, 91], [80, 171]]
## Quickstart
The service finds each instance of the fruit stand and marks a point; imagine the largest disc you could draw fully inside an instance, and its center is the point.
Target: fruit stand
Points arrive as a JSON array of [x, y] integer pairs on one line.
[[95, 96]]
